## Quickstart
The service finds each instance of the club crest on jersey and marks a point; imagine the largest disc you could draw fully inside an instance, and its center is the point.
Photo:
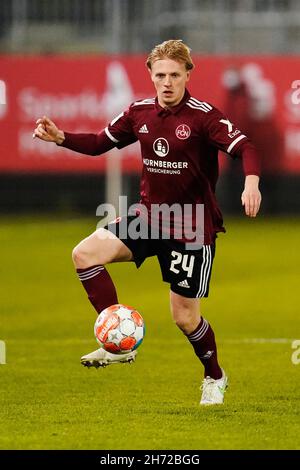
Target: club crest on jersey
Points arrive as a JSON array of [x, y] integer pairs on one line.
[[183, 132], [161, 147]]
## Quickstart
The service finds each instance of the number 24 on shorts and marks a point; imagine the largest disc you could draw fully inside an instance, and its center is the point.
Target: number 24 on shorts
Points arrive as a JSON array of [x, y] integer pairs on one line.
[[186, 262]]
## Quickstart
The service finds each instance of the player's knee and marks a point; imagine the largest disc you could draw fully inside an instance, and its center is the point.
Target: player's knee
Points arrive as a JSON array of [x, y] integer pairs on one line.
[[185, 315], [182, 318], [80, 257], [183, 324]]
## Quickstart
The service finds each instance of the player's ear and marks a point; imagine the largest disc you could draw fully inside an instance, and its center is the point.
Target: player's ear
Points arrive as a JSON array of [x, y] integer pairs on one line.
[[188, 74]]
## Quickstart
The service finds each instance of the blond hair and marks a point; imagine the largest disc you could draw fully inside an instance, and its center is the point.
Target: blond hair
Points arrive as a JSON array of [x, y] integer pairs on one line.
[[173, 49]]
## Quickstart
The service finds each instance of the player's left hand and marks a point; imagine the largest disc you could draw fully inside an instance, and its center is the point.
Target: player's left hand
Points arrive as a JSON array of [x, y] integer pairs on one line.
[[251, 197]]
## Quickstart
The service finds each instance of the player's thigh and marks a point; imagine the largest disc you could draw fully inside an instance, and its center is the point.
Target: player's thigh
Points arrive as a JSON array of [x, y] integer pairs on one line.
[[101, 247]]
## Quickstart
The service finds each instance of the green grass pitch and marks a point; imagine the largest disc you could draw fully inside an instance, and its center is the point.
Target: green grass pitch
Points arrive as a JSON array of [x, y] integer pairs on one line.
[[49, 401]]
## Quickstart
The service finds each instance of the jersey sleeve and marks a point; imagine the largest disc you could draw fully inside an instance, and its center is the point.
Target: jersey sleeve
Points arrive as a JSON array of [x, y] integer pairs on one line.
[[88, 144], [250, 158], [222, 133], [120, 130]]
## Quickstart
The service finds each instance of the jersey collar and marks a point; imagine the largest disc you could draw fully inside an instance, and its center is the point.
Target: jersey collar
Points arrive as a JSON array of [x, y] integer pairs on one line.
[[172, 109]]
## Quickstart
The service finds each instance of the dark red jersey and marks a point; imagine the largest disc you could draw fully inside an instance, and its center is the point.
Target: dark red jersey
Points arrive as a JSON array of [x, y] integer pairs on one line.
[[179, 149]]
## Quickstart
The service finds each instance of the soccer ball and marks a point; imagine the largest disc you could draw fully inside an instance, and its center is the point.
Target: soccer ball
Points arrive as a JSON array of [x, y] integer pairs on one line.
[[119, 329]]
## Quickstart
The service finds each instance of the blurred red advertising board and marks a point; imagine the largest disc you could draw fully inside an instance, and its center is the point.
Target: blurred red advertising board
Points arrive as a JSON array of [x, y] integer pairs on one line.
[[261, 94]]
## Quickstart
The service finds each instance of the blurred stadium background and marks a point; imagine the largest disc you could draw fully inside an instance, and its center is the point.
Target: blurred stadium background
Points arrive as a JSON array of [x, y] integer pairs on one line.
[[82, 62]]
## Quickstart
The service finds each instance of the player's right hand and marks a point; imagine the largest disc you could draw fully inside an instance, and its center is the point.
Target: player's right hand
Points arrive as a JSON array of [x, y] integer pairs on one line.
[[48, 131]]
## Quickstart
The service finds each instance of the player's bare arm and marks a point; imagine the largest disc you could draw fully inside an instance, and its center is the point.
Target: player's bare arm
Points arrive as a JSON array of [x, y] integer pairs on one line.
[[251, 197], [48, 131]]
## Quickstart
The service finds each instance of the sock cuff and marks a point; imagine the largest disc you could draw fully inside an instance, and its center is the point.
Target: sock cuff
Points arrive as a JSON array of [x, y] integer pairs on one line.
[[200, 331], [88, 273]]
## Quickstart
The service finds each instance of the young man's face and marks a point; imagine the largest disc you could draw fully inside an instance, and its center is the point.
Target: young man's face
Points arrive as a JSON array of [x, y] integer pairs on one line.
[[169, 78]]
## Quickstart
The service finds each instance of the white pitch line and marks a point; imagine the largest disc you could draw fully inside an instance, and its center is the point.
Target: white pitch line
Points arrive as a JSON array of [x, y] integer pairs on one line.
[[78, 341], [260, 341]]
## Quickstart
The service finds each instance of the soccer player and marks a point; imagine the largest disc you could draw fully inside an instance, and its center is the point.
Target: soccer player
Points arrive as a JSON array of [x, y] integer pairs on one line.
[[180, 137]]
